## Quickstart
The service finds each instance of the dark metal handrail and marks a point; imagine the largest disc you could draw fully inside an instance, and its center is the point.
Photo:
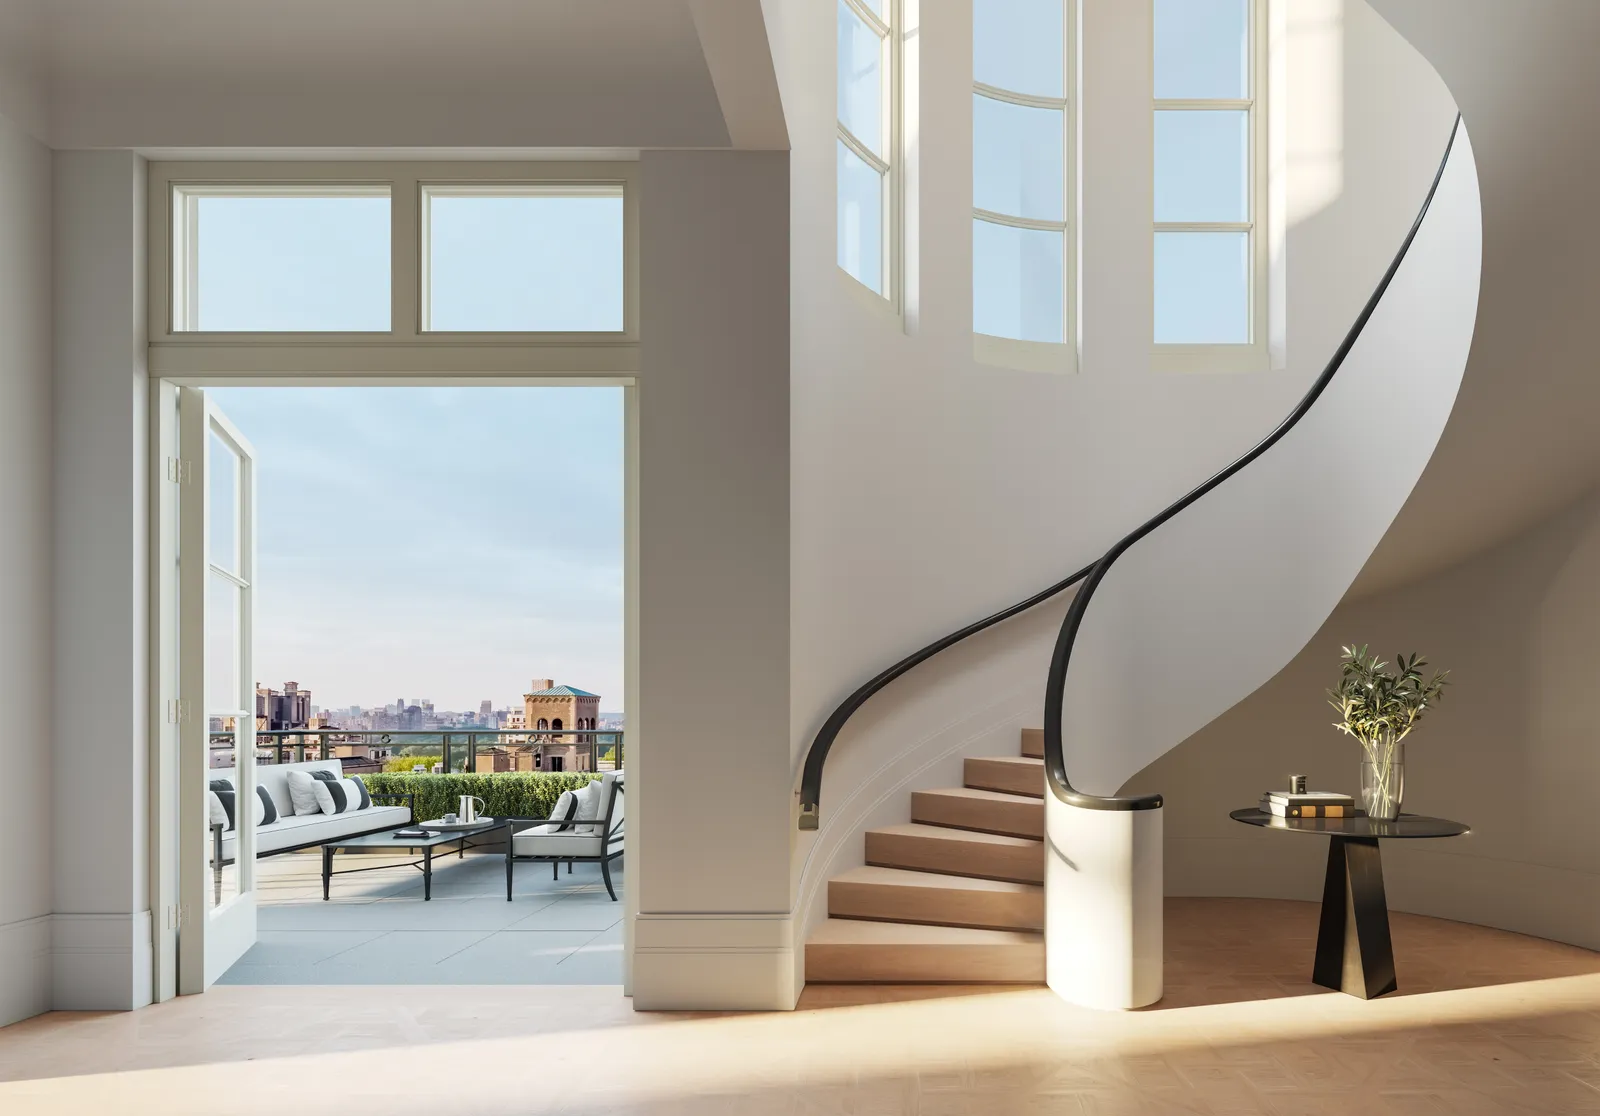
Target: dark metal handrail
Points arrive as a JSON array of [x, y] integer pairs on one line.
[[1055, 686], [817, 756], [1055, 767]]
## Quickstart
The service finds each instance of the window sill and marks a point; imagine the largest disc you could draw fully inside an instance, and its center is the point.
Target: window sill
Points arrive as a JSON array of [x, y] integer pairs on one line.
[[1023, 356], [1212, 359]]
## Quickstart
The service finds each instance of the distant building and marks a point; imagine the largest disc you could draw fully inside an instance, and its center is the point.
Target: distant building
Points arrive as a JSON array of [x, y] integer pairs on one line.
[[549, 706], [486, 713], [289, 708]]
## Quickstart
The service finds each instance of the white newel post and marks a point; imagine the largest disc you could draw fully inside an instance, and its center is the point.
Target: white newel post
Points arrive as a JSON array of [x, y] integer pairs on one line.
[[1103, 905]]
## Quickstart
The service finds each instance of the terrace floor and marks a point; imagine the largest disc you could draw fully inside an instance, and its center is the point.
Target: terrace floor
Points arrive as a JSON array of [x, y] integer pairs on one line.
[[376, 929]]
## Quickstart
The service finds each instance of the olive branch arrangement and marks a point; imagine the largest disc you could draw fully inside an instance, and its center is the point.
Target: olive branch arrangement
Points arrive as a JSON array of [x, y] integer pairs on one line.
[[1379, 706]]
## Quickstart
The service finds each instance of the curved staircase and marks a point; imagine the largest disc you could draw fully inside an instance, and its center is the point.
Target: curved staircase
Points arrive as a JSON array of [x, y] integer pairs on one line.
[[956, 895]]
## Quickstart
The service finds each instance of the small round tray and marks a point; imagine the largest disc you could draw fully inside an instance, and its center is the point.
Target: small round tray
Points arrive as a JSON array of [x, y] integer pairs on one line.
[[455, 826]]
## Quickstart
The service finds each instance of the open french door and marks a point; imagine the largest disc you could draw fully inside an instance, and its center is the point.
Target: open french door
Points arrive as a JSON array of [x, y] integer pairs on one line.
[[216, 684]]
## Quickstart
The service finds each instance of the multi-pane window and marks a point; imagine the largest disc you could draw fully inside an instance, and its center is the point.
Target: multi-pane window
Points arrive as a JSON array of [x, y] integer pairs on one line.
[[269, 259], [1022, 176], [866, 140], [524, 258], [1209, 250]]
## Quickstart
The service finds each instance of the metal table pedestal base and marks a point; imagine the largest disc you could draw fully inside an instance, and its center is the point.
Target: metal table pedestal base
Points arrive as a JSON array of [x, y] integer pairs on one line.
[[1354, 952]]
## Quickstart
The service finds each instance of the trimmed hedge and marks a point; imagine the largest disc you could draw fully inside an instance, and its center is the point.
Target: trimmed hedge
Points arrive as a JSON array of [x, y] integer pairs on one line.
[[505, 794]]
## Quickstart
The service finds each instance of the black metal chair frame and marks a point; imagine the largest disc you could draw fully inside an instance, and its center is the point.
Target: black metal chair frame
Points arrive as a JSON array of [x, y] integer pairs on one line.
[[613, 833]]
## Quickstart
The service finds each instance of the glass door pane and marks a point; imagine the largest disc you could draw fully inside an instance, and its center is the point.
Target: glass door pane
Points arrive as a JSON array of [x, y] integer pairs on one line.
[[216, 739]]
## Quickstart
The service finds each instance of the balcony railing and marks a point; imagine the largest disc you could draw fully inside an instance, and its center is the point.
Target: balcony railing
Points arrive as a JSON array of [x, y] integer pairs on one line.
[[601, 747]]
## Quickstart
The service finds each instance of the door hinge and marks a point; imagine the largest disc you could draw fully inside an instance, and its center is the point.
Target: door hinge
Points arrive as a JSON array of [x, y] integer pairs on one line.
[[178, 711], [177, 916], [179, 471]]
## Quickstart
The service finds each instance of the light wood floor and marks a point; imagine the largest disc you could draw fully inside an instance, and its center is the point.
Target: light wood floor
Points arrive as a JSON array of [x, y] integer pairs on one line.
[[1485, 1022]]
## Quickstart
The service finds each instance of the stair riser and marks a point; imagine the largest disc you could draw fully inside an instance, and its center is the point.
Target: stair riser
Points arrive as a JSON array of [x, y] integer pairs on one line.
[[1013, 778], [1033, 743], [925, 964], [936, 906], [994, 862], [1015, 819]]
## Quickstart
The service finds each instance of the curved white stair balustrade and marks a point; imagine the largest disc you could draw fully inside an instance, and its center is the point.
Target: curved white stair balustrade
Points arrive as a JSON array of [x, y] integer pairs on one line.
[[1206, 608]]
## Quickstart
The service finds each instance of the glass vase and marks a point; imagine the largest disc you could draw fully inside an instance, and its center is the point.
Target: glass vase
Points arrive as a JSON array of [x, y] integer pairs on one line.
[[1383, 779]]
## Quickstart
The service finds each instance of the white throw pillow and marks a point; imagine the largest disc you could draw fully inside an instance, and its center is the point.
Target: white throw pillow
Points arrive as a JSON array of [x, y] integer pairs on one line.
[[303, 792], [219, 812], [589, 804], [564, 807], [341, 796]]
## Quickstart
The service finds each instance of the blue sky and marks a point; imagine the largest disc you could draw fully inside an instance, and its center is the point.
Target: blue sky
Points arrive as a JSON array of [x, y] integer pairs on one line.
[[439, 543], [448, 544]]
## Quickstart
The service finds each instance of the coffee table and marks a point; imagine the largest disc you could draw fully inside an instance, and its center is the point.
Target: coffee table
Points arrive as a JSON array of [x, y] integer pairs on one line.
[[462, 839], [1354, 951]]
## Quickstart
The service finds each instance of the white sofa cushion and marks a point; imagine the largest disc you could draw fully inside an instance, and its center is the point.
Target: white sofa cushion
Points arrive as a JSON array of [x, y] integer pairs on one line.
[[315, 829], [533, 842]]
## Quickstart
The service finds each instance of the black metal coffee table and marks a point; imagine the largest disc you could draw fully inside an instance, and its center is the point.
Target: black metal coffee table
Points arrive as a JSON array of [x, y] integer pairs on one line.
[[389, 842], [1354, 952]]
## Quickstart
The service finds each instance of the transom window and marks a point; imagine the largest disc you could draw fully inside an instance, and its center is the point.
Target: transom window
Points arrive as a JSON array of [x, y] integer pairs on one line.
[[1210, 251], [867, 139], [1022, 169], [514, 258], [269, 259], [384, 254]]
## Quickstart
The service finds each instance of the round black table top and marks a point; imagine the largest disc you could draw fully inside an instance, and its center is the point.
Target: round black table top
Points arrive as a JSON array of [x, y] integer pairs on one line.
[[1406, 825]]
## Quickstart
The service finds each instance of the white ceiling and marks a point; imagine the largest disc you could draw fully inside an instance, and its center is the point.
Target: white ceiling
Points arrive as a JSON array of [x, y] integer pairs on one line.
[[359, 73]]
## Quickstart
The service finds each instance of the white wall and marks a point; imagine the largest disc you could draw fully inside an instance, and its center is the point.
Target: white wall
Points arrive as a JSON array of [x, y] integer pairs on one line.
[[1511, 750], [709, 811], [99, 818], [930, 490], [25, 552]]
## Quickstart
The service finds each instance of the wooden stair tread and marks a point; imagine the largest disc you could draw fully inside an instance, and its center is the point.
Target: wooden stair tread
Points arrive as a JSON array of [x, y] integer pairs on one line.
[[981, 794], [1013, 774], [980, 810], [1033, 742], [904, 877], [852, 951], [851, 931], [944, 833]]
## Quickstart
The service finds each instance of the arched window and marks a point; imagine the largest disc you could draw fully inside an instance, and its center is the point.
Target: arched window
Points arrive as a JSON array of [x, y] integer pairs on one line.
[[1211, 251], [544, 724], [1022, 172], [555, 724], [867, 139]]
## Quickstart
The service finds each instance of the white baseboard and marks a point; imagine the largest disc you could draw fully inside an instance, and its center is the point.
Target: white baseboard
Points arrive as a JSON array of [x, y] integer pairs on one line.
[[100, 962], [24, 968], [1420, 877], [714, 962]]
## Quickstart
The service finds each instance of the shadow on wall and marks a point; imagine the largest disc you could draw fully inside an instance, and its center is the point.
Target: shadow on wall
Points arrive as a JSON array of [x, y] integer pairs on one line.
[[1512, 750]]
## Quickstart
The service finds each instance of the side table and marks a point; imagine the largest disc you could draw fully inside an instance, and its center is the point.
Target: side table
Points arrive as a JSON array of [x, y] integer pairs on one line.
[[1354, 952]]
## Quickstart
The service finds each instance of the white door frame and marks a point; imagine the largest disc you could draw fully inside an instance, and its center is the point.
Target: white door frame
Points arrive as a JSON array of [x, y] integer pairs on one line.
[[169, 714]]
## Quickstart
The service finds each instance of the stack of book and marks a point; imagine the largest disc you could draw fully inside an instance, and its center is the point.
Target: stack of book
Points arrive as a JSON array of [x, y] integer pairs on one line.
[[1308, 804]]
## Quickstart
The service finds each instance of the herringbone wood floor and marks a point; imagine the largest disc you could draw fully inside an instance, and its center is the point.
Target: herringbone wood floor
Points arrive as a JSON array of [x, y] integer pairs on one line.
[[1485, 1022]]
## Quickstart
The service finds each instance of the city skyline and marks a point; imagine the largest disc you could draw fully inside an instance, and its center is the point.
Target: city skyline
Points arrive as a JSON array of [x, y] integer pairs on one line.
[[446, 541]]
